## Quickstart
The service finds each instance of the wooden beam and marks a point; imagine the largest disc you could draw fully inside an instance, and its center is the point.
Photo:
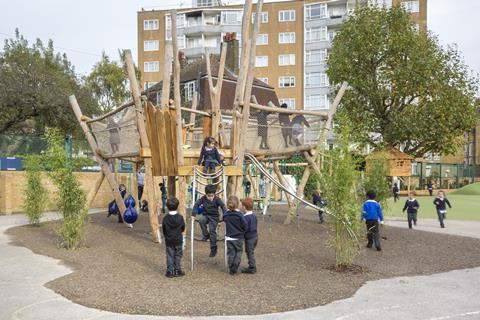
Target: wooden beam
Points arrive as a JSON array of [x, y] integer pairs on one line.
[[336, 102], [282, 152], [229, 171], [149, 182], [111, 113], [102, 162]]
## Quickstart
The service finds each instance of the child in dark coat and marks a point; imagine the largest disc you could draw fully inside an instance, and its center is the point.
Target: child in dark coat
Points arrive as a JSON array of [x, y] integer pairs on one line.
[[371, 213], [441, 203], [319, 202], [206, 213], [251, 235], [235, 228], [209, 156], [173, 227], [411, 205]]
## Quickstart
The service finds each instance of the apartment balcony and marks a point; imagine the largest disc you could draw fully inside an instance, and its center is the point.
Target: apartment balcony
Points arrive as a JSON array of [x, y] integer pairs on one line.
[[336, 20], [199, 51]]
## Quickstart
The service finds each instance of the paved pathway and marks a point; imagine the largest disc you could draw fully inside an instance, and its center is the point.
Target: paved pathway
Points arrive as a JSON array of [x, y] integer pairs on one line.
[[451, 295], [455, 227]]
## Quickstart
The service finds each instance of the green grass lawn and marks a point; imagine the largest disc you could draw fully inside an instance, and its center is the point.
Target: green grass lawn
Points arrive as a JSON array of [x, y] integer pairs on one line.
[[464, 207]]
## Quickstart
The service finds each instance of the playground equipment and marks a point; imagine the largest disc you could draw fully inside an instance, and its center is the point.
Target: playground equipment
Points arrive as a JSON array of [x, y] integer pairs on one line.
[[156, 136]]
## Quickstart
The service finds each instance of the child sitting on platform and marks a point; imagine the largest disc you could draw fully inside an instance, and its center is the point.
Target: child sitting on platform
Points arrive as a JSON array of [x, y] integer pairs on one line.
[[209, 156], [235, 228], [173, 227]]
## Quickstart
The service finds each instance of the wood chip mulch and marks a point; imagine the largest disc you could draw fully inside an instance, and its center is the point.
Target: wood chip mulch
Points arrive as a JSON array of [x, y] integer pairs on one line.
[[122, 270]]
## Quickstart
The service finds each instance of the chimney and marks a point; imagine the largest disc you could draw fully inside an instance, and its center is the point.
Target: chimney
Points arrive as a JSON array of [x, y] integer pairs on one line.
[[182, 59], [233, 52]]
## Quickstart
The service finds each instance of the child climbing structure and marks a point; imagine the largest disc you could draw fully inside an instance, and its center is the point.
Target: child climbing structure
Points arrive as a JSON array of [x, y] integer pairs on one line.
[[163, 138]]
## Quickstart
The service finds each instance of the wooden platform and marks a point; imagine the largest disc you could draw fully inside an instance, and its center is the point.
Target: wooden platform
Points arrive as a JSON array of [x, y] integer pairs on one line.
[[229, 171]]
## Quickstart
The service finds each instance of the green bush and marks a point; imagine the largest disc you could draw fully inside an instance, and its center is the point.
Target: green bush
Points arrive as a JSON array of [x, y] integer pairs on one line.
[[71, 200], [35, 193], [376, 179]]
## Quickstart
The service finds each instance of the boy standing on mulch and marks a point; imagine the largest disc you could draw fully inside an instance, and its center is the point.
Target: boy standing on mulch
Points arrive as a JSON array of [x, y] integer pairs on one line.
[[251, 235], [173, 226], [371, 213], [210, 204], [411, 205], [441, 203], [235, 228]]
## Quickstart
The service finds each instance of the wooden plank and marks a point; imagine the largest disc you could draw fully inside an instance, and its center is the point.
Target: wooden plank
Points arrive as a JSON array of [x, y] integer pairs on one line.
[[229, 171], [145, 152], [160, 123]]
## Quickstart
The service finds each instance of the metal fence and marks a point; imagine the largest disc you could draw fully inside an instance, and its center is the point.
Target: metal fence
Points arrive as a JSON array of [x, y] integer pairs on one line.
[[444, 175]]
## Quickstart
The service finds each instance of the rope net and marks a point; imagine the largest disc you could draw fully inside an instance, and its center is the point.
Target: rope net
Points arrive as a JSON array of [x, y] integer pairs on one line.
[[117, 135]]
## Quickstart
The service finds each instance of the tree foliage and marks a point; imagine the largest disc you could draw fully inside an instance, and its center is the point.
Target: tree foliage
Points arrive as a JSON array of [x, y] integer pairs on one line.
[[36, 196], [108, 82], [35, 83], [405, 89]]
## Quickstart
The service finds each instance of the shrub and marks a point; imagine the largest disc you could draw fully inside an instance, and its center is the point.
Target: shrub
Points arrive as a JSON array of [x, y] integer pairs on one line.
[[35, 193]]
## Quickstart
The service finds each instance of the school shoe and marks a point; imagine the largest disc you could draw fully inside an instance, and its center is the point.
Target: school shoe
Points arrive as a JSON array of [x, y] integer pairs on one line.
[[249, 270], [369, 245], [169, 274], [379, 249], [213, 252], [205, 238], [179, 273]]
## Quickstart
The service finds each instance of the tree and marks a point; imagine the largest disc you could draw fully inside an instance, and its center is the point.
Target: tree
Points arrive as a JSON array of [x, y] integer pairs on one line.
[[406, 90], [35, 83], [108, 82]]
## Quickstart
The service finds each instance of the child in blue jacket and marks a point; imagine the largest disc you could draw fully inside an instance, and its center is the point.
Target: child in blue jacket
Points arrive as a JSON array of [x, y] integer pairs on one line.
[[371, 213]]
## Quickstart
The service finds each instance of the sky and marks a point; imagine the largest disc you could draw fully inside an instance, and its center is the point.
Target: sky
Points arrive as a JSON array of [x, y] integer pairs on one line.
[[83, 29]]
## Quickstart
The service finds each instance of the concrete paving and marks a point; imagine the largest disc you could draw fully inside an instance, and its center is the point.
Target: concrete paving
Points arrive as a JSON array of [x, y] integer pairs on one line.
[[451, 295], [454, 227]]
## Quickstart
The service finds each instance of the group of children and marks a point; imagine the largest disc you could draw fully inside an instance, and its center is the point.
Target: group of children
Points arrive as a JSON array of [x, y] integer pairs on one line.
[[240, 228]]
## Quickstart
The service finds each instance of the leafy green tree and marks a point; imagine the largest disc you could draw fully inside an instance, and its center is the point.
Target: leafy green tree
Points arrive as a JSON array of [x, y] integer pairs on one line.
[[35, 193], [405, 89], [108, 82], [71, 200], [35, 83]]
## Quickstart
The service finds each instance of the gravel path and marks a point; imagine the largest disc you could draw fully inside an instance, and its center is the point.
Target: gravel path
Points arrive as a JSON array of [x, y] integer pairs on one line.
[[121, 270]]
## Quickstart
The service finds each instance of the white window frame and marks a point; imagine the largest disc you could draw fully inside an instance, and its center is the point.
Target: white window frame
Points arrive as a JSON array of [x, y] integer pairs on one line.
[[151, 66], [310, 99], [286, 59], [148, 84], [189, 89], [322, 31], [323, 53], [286, 37], [263, 17], [286, 15], [225, 21], [151, 45], [380, 3], [261, 61], [263, 36], [323, 81], [412, 6], [151, 24], [291, 102], [323, 11], [286, 82]]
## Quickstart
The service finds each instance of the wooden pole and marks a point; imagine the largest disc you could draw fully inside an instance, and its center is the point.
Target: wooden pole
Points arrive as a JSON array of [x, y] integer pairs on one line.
[[106, 115], [301, 187], [286, 151], [182, 183], [193, 115], [273, 109], [167, 65], [103, 164], [282, 180], [149, 182], [93, 192]]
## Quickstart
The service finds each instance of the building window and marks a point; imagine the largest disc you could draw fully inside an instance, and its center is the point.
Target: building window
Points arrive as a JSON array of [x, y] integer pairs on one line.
[[150, 45], [181, 42], [203, 3], [331, 35], [261, 61], [316, 11], [232, 17], [286, 60], [380, 3], [286, 15], [180, 21], [286, 37], [151, 24], [316, 79], [313, 57], [316, 102], [290, 102], [148, 84], [263, 17], [262, 39], [194, 42], [411, 6], [286, 82], [316, 34], [151, 66], [189, 89], [264, 80]]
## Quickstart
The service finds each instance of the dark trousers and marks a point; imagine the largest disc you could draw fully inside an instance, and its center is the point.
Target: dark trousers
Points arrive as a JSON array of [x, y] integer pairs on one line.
[[412, 216], [211, 232], [140, 192], [263, 142], [164, 203], [441, 217], [234, 254], [174, 256], [430, 192], [320, 215], [250, 246], [396, 196], [287, 136], [209, 166], [373, 233]]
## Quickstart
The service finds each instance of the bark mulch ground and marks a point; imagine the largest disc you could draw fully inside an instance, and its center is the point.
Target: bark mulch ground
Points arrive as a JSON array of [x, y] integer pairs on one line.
[[122, 270]]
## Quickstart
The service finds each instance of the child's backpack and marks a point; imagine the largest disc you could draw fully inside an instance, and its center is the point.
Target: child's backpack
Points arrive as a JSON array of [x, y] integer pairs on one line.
[[130, 201], [113, 208]]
